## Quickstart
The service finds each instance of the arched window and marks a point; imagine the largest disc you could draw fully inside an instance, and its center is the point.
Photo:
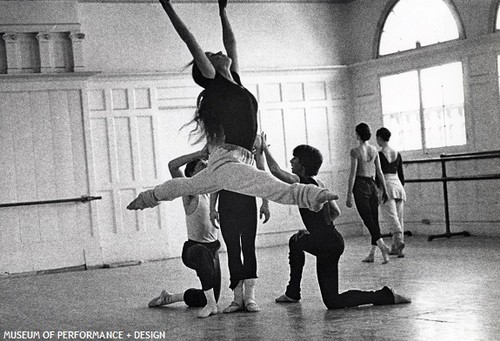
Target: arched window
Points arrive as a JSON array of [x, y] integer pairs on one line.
[[415, 23]]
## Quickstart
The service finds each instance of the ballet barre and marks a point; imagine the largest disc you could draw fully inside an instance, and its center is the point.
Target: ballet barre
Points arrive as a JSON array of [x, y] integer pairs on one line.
[[83, 198], [445, 179]]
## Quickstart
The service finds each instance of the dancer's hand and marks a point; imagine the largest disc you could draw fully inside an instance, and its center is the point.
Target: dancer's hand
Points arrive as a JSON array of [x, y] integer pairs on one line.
[[263, 140], [385, 197], [265, 212], [214, 218], [144, 200], [204, 152], [348, 201], [300, 234]]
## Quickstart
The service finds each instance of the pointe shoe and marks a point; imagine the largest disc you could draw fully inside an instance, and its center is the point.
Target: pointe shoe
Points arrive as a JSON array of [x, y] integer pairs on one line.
[[233, 307], [285, 299], [163, 299], [369, 259]]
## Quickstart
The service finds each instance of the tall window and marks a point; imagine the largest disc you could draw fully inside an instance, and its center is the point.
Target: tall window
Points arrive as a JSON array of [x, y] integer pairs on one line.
[[415, 23], [425, 108]]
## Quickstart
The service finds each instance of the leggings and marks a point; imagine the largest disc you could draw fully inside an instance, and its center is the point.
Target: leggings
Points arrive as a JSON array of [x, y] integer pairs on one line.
[[238, 224], [366, 199], [204, 259], [229, 167], [328, 245]]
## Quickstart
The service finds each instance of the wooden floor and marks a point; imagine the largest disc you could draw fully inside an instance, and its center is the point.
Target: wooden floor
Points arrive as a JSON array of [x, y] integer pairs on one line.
[[454, 285]]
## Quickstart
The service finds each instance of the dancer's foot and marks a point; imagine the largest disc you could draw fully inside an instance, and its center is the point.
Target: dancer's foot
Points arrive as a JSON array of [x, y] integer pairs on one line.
[[399, 250], [208, 310], [385, 254], [233, 307], [369, 259], [393, 252], [285, 299], [399, 299], [252, 307], [163, 299]]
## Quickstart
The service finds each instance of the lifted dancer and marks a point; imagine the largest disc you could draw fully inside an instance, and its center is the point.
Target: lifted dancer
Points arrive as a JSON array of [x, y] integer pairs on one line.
[[227, 118]]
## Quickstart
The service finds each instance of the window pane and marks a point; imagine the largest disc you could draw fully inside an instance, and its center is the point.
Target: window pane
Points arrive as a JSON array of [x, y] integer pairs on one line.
[[400, 108], [412, 23], [443, 98], [442, 107], [399, 92]]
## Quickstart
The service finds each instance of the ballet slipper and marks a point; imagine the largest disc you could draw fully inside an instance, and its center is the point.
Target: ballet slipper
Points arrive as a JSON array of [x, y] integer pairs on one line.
[[211, 307], [285, 299], [237, 303], [249, 295], [399, 249], [233, 307], [146, 199]]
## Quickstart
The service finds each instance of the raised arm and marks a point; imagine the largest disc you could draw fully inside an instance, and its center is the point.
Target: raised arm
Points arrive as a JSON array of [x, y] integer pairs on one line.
[[228, 37], [201, 60], [175, 165], [273, 166]]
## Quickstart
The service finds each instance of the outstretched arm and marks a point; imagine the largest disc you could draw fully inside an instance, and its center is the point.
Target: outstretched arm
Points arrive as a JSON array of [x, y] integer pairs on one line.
[[228, 37], [201, 60], [274, 167]]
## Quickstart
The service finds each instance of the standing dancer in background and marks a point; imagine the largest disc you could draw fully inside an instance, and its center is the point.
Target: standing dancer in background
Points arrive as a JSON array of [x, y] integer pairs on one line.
[[227, 118], [365, 164], [392, 210], [320, 239], [200, 252], [237, 215]]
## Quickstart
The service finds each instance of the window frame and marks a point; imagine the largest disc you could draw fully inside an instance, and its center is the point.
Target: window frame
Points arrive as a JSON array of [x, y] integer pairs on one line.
[[418, 66], [387, 11]]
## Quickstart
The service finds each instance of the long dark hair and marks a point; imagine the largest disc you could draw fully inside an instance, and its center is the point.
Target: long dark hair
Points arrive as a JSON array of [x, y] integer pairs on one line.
[[205, 120]]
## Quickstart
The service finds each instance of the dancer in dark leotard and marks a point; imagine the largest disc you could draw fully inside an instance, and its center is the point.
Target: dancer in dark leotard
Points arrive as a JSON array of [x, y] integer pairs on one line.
[[392, 210], [227, 117], [322, 240], [365, 164]]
